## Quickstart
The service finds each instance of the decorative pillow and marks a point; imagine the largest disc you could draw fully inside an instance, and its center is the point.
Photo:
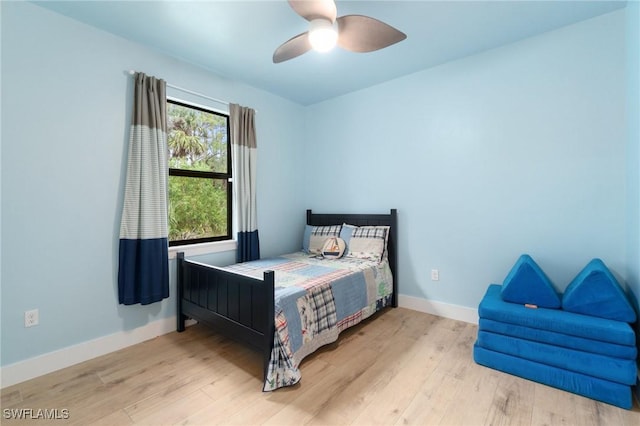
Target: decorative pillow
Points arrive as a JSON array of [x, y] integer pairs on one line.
[[333, 248], [315, 236], [345, 234], [596, 292], [368, 242], [527, 284], [306, 237]]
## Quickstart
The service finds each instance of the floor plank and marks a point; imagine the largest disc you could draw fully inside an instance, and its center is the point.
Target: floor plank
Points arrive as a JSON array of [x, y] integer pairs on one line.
[[512, 402], [429, 405]]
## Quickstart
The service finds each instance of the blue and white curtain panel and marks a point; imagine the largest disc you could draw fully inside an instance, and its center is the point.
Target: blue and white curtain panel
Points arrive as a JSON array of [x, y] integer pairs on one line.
[[244, 152], [143, 274]]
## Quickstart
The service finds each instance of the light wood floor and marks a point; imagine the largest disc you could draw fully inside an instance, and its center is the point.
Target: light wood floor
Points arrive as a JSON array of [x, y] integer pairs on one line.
[[402, 367]]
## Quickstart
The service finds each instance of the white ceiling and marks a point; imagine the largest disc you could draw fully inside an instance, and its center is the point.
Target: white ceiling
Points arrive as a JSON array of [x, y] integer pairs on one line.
[[236, 39]]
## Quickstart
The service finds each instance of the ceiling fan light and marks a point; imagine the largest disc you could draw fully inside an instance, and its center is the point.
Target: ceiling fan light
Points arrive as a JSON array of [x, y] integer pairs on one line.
[[322, 35]]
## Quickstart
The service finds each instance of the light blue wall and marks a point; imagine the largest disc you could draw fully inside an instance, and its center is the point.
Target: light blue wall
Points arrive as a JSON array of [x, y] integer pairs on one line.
[[633, 155], [518, 149], [521, 148], [66, 99]]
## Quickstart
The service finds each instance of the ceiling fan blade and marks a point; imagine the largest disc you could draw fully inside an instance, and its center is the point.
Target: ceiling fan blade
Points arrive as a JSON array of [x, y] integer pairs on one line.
[[292, 48], [359, 33], [315, 9]]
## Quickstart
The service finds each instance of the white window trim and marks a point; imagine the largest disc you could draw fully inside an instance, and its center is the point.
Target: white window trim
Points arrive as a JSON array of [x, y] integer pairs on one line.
[[203, 248]]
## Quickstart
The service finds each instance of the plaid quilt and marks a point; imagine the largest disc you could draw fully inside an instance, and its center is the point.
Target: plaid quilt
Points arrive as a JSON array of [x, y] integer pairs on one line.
[[315, 299]]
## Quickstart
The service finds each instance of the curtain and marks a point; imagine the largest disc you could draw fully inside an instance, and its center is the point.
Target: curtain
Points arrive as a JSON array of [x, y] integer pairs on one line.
[[244, 159], [143, 274]]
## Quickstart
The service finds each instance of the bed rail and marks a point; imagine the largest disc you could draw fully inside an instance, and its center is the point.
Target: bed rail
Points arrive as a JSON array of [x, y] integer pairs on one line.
[[239, 306]]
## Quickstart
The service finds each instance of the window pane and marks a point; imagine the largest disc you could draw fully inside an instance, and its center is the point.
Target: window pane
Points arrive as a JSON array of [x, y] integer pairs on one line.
[[197, 208], [197, 139]]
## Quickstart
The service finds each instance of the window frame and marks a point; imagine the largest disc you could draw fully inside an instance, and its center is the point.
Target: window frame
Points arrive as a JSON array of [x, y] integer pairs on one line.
[[214, 176]]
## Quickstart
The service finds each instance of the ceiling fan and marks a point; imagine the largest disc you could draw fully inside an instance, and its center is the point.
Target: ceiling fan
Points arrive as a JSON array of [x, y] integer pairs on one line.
[[356, 33]]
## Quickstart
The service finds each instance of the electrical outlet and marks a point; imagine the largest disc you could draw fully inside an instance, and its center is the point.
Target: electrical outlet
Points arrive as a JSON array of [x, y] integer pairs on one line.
[[31, 318], [435, 275]]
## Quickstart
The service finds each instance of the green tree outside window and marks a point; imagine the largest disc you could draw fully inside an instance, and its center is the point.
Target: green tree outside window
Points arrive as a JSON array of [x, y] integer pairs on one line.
[[199, 175]]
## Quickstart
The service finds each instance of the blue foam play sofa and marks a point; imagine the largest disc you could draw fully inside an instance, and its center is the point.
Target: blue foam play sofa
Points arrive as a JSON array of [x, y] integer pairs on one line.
[[581, 341]]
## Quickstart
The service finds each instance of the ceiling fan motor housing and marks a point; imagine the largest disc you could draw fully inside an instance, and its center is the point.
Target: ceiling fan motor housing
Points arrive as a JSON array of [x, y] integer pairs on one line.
[[323, 34]]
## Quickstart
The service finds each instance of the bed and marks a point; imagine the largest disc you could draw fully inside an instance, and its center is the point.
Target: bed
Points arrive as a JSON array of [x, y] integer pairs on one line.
[[252, 302]]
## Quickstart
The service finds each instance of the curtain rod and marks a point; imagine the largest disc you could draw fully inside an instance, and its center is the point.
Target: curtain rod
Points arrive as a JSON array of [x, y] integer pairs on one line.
[[220, 101]]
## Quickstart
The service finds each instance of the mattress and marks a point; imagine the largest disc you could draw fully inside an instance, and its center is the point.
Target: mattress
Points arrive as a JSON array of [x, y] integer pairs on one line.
[[494, 308], [618, 370], [559, 339], [592, 387]]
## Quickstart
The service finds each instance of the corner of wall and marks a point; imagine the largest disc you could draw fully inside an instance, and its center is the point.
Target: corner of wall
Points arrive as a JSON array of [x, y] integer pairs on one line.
[[632, 26]]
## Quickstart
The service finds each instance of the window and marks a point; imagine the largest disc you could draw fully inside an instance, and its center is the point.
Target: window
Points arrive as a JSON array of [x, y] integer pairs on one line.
[[199, 174]]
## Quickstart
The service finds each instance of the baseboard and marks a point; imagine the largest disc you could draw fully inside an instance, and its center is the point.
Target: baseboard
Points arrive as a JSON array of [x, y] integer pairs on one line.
[[456, 312], [43, 364]]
